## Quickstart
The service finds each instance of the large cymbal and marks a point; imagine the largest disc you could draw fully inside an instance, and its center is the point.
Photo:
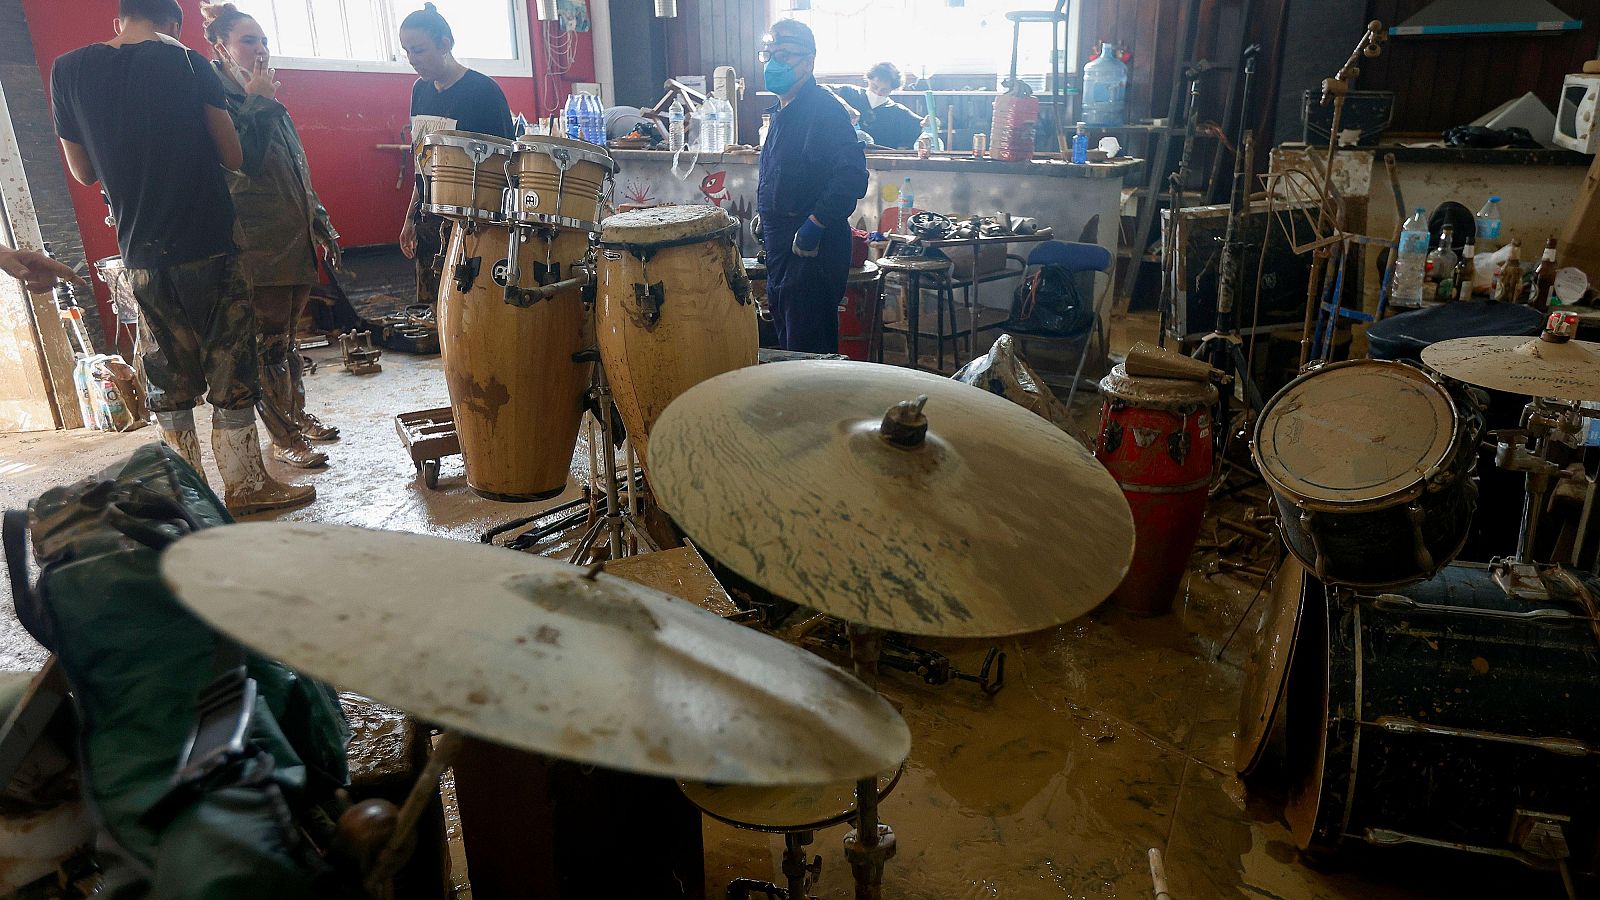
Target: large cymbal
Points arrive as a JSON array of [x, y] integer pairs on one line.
[[999, 523], [526, 652], [1532, 367]]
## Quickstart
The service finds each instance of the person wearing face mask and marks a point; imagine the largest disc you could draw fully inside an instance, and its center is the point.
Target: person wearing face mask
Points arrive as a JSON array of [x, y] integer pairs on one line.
[[813, 170], [889, 123], [448, 96], [284, 225], [146, 118]]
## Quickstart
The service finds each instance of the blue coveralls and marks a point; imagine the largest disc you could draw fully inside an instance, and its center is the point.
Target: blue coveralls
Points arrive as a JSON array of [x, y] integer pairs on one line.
[[811, 164]]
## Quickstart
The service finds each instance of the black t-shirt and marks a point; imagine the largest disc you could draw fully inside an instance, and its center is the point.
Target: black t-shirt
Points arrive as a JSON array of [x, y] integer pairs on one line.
[[139, 112], [474, 101]]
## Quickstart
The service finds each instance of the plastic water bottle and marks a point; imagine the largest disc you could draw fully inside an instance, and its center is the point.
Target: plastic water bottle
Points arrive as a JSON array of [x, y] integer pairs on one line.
[[1105, 89], [725, 125], [711, 127], [1080, 144], [597, 121], [1411, 262], [675, 125], [906, 201], [1488, 220], [570, 116]]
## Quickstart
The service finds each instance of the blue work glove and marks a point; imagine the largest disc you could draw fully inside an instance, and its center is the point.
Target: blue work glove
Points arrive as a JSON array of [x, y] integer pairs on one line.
[[808, 238]]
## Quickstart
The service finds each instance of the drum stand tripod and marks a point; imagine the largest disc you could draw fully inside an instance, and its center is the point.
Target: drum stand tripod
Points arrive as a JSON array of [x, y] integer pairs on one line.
[[621, 525], [1527, 450]]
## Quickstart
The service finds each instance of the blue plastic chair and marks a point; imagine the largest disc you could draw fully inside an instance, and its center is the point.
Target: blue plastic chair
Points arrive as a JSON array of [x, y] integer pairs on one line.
[[1083, 260]]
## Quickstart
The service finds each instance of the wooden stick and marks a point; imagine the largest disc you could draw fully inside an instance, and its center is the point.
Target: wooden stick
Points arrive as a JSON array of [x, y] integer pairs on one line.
[[1158, 875]]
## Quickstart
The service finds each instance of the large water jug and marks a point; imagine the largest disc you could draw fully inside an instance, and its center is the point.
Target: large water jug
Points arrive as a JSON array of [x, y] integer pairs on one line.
[[1105, 90]]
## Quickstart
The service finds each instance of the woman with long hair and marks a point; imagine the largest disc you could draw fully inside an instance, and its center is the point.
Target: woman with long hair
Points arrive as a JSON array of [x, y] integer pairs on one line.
[[283, 223], [448, 96]]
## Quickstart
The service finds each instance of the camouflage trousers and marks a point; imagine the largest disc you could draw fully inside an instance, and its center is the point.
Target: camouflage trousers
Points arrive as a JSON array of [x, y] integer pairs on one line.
[[205, 334], [283, 393]]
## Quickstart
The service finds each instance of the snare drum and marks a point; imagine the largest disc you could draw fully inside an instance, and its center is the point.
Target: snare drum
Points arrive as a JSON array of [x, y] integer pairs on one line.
[[516, 393], [558, 181], [1371, 466], [673, 308], [464, 175]]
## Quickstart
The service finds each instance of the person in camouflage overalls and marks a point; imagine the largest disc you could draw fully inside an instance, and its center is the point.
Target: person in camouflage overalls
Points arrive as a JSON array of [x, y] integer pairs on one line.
[[283, 221]]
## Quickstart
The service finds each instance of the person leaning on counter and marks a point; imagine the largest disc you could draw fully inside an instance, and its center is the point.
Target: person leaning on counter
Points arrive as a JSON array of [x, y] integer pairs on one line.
[[813, 170], [890, 124]]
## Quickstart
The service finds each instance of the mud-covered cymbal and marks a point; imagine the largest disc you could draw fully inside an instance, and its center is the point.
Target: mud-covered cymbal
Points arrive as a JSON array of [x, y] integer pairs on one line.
[[997, 523], [1532, 367], [529, 653]]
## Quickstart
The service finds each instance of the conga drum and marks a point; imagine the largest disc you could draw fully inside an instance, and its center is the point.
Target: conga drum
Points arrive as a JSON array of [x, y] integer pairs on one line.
[[673, 308], [1155, 438], [464, 175], [558, 182], [515, 390]]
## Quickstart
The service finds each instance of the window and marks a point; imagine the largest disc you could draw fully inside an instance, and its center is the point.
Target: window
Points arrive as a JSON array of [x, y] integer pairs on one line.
[[932, 37], [362, 35]]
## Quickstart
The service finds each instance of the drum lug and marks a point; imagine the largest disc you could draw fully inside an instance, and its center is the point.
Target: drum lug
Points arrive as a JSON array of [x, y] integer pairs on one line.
[[466, 273], [546, 274], [650, 299], [1308, 526], [1178, 446], [1111, 438], [738, 281], [1424, 558]]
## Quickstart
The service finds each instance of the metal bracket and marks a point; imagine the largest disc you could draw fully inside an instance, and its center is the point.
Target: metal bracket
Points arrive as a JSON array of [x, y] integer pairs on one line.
[[650, 299], [466, 273], [546, 274], [1178, 446], [1113, 436]]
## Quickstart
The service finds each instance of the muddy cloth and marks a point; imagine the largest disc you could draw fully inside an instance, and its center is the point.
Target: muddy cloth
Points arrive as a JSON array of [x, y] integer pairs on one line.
[[136, 660], [205, 334], [811, 165], [279, 310], [282, 218]]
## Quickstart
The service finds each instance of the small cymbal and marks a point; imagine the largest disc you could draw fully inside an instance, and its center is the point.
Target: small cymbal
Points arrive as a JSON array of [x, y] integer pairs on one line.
[[529, 653], [997, 523], [799, 808], [1532, 367]]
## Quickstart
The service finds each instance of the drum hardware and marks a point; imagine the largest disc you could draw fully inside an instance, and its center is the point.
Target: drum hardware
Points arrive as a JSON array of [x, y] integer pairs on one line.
[[931, 666], [622, 527], [648, 299], [466, 273], [360, 357], [798, 873]]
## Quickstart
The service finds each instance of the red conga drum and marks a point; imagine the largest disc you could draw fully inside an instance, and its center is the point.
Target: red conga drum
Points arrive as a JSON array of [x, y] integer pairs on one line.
[[1155, 438]]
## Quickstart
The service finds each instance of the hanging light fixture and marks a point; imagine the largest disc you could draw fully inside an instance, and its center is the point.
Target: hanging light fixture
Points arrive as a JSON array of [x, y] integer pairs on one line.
[[547, 11], [666, 9]]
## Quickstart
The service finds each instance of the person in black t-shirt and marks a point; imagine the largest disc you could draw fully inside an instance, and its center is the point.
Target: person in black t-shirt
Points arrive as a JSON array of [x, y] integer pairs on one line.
[[145, 117], [447, 97]]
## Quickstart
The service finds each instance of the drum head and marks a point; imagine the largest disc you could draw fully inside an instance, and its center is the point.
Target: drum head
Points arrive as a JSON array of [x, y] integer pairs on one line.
[[464, 139], [1266, 673], [663, 225], [1355, 431]]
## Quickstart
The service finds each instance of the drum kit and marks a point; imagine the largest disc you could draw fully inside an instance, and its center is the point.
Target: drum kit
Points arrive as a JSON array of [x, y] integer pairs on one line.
[[1398, 696], [891, 499]]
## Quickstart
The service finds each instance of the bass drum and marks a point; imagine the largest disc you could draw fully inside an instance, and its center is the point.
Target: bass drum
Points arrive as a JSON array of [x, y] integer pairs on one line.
[[1458, 717], [673, 308], [1280, 708], [1371, 466], [516, 392]]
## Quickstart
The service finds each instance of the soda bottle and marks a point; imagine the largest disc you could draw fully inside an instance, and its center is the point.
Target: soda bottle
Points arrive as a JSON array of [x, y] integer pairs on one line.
[[1442, 266], [1410, 262], [1544, 276]]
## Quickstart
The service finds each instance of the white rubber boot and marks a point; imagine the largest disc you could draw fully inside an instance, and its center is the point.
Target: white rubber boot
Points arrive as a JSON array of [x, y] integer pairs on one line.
[[187, 444], [248, 487]]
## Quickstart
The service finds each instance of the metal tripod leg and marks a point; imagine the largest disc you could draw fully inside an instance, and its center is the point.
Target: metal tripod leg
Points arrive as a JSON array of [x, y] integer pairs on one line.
[[616, 523]]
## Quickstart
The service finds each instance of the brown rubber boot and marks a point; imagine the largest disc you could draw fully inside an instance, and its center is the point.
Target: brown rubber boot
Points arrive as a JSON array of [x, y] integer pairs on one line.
[[248, 487], [187, 445]]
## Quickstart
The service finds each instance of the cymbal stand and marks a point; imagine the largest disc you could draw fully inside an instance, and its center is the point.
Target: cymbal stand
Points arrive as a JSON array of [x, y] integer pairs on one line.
[[871, 843], [1526, 449], [799, 873], [1334, 90]]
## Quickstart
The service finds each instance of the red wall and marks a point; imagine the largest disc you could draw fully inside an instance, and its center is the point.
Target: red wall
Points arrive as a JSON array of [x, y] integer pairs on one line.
[[342, 117]]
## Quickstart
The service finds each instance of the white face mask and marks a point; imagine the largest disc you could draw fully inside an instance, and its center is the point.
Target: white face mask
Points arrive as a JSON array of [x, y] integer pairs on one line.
[[876, 100]]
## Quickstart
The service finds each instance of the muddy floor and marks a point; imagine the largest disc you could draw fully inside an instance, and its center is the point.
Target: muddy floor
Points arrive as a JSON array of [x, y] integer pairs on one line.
[[1113, 734]]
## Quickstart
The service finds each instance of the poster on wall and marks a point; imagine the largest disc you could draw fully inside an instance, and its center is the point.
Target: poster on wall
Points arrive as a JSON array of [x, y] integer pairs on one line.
[[574, 15]]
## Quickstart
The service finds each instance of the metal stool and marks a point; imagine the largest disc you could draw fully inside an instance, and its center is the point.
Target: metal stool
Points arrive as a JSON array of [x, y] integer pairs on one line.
[[912, 269]]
